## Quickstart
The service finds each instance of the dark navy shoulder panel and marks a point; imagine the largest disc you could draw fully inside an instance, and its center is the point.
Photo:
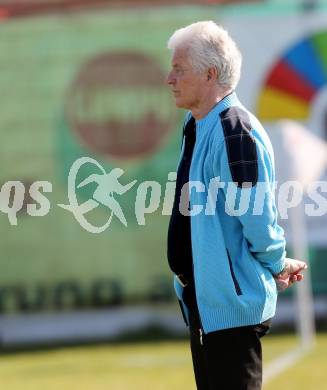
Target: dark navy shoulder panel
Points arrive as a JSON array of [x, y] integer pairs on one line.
[[240, 145]]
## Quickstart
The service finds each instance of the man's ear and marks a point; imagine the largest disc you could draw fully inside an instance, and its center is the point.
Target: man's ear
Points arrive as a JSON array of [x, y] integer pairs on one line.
[[212, 74]]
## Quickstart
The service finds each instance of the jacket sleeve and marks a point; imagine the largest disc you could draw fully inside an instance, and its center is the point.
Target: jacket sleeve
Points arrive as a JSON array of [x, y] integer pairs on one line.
[[247, 171]]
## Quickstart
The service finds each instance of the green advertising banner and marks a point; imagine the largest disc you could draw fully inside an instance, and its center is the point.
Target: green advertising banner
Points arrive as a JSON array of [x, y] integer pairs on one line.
[[86, 85]]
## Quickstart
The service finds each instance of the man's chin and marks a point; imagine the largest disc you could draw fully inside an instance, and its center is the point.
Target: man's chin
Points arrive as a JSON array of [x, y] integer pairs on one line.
[[179, 103]]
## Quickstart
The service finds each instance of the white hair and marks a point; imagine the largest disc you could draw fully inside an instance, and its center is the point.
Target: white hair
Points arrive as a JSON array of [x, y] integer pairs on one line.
[[209, 45]]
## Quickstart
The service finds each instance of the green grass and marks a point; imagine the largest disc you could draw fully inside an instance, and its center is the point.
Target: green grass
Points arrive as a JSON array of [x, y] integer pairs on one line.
[[158, 365]]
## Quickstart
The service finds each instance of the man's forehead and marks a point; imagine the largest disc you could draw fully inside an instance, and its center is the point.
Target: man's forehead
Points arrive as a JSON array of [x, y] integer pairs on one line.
[[180, 56]]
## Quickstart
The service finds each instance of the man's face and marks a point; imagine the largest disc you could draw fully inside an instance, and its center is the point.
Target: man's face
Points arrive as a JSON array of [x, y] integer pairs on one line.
[[188, 86]]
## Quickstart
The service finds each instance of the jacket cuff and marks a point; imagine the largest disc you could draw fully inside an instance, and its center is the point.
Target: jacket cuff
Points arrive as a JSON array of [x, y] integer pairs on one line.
[[277, 267]]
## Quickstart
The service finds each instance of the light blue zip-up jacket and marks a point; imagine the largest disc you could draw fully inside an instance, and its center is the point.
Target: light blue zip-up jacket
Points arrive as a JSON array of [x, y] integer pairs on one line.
[[236, 250]]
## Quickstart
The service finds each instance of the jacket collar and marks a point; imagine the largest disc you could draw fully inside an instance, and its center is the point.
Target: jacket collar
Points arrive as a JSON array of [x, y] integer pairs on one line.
[[228, 101]]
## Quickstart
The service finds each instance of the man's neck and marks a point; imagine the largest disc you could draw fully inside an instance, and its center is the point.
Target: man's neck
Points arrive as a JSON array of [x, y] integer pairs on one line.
[[207, 104]]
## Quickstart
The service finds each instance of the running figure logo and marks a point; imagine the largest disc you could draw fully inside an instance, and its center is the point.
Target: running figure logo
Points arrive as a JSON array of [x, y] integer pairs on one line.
[[107, 187]]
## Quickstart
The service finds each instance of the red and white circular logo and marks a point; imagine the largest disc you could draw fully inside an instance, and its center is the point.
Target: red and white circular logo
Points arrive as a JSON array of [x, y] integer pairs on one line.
[[119, 106]]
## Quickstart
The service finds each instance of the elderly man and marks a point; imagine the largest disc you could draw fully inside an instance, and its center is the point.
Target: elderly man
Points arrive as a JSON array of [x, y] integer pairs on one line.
[[227, 264]]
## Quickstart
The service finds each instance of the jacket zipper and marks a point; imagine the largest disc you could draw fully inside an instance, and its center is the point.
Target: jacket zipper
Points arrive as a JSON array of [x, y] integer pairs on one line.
[[201, 334], [236, 284], [201, 331]]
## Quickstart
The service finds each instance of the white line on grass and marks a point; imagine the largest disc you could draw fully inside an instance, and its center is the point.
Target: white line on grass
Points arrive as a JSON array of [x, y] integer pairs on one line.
[[282, 363]]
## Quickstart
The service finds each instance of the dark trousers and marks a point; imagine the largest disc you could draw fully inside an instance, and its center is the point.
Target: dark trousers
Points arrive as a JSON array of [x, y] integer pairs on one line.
[[229, 359]]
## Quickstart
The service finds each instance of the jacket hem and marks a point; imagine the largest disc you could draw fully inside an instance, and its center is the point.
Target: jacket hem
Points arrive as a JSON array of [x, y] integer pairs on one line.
[[225, 319]]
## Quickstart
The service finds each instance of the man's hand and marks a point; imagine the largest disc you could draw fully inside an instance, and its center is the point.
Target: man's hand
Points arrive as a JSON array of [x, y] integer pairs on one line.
[[290, 274]]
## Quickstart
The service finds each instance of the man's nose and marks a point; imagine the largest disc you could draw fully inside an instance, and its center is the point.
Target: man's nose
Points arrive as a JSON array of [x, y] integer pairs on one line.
[[170, 80]]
